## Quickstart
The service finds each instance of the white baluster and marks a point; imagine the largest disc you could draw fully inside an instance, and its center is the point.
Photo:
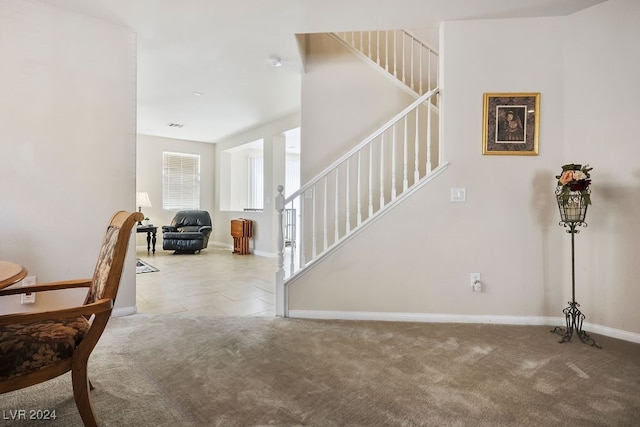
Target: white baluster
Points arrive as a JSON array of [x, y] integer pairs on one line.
[[335, 211], [420, 65], [280, 289], [314, 250], [378, 47], [301, 247], [405, 172], [347, 206], [386, 50], [429, 71], [411, 46], [325, 231], [395, 54], [293, 244], [393, 163], [428, 138], [359, 189], [437, 84], [381, 171], [370, 179], [416, 172], [403, 71]]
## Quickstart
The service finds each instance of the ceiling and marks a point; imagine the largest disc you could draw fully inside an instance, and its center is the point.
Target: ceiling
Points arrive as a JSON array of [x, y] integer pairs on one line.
[[205, 64]]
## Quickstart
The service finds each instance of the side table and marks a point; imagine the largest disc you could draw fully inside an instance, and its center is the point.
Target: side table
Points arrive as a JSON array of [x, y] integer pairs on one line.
[[151, 236], [241, 231], [11, 273]]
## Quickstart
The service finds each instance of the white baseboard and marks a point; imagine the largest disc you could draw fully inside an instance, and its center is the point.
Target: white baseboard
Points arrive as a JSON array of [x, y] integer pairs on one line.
[[459, 318], [124, 311], [220, 244], [437, 318], [612, 332], [253, 252], [265, 254]]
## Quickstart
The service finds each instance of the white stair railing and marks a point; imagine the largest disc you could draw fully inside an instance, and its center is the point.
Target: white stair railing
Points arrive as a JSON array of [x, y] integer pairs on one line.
[[357, 186], [405, 57]]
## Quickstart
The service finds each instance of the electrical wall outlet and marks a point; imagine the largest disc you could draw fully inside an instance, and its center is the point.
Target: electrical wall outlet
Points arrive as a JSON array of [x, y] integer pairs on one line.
[[474, 281], [473, 278], [29, 297]]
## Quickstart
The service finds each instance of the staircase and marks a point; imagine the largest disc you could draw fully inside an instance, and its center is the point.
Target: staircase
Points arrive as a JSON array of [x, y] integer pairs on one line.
[[386, 167]]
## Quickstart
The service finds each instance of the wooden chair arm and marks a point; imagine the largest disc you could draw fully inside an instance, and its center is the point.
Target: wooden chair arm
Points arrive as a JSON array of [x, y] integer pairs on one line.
[[64, 313], [53, 286]]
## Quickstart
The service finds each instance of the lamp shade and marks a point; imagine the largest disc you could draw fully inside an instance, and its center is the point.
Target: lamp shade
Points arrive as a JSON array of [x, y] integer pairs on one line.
[[142, 200]]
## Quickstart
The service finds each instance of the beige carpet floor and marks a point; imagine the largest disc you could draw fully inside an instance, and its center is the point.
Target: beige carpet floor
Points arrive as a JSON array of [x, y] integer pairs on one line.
[[189, 370]]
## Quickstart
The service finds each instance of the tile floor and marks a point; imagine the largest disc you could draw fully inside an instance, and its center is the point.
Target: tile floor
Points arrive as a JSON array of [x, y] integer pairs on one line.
[[214, 282]]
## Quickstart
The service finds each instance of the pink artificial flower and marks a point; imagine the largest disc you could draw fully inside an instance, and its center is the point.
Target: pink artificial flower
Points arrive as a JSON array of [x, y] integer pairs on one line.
[[567, 176]]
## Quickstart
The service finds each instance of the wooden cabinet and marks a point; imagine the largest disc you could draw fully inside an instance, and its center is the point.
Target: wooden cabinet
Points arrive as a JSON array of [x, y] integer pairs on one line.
[[241, 231]]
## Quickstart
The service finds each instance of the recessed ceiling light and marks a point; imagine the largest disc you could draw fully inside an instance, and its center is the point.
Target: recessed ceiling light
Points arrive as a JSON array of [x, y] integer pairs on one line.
[[197, 93], [175, 125], [275, 61]]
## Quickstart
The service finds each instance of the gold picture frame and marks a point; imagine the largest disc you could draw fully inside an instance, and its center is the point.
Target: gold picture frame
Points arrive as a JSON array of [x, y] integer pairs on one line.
[[510, 124]]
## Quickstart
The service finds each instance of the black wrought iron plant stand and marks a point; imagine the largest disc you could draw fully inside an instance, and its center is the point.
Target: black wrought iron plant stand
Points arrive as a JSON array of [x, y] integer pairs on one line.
[[572, 216]]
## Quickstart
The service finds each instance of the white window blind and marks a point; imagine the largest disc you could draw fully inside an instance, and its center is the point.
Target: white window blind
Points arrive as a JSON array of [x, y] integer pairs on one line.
[[180, 181], [291, 175], [256, 182]]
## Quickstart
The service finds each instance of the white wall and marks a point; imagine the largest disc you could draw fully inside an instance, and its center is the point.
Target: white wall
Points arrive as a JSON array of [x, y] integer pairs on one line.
[[149, 178], [425, 249], [234, 173], [67, 143], [264, 240], [417, 258], [343, 101], [602, 106]]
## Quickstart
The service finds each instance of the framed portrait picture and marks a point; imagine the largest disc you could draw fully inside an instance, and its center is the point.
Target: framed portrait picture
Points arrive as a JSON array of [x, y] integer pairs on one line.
[[510, 124]]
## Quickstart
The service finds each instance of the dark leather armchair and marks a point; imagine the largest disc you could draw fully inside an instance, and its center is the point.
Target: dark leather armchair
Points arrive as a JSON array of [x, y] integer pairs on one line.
[[189, 232]]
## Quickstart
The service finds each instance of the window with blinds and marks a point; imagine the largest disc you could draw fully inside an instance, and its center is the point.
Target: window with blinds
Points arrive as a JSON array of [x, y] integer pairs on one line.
[[255, 182], [180, 181]]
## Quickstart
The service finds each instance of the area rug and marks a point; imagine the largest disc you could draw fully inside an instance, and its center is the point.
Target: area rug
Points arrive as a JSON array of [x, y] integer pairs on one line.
[[144, 267]]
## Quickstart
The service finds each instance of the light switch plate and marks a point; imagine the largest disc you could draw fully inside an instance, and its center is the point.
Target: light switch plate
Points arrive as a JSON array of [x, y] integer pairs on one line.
[[30, 297], [458, 194]]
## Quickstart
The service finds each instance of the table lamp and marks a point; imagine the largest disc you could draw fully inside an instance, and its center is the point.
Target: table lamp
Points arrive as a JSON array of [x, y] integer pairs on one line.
[[143, 201]]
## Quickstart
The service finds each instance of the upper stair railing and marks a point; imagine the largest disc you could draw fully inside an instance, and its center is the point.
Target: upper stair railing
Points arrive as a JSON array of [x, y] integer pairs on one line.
[[398, 52]]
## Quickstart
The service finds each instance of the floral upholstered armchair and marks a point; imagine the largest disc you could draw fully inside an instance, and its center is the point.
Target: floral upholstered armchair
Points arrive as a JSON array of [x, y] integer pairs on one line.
[[38, 346]]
